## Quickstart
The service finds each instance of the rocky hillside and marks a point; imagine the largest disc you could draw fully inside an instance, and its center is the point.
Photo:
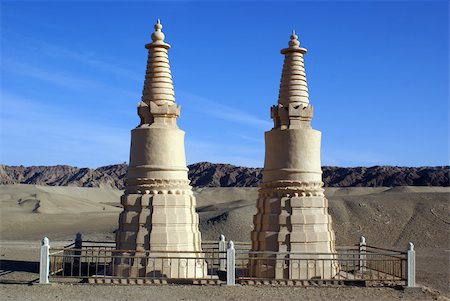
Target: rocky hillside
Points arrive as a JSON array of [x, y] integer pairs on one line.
[[64, 175], [206, 174]]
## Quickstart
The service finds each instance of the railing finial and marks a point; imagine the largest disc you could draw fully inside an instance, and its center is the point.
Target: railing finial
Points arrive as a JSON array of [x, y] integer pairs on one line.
[[231, 264], [362, 240], [44, 262], [411, 266]]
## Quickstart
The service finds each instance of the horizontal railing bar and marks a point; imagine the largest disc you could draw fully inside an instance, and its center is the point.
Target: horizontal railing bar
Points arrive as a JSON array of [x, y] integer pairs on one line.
[[61, 254], [113, 242], [55, 272], [248, 243], [309, 253], [132, 278], [251, 259], [385, 249], [128, 257], [133, 251], [318, 260], [367, 254], [95, 259], [59, 250], [314, 259], [100, 241]]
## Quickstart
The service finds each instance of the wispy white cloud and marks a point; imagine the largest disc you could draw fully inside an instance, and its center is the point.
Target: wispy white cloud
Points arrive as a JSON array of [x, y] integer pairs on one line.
[[231, 153], [88, 58], [347, 157], [53, 137], [224, 112], [61, 78], [249, 138], [228, 149], [54, 77], [34, 133], [58, 72]]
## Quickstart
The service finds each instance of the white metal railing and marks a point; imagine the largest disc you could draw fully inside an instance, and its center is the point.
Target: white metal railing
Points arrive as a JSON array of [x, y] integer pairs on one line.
[[411, 267], [44, 263], [84, 259], [231, 264]]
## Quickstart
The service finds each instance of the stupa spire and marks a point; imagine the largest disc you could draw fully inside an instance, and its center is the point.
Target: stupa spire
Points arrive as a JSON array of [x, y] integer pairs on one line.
[[293, 109], [293, 86], [158, 203], [292, 211], [158, 85]]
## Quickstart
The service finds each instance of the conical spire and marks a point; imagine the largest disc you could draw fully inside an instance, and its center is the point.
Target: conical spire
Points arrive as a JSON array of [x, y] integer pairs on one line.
[[293, 86], [158, 217], [292, 212], [158, 86], [293, 109]]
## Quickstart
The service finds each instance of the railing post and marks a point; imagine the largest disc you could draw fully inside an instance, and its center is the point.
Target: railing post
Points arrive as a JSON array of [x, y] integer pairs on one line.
[[411, 266], [362, 254], [44, 264], [231, 264], [222, 253], [78, 245], [78, 241]]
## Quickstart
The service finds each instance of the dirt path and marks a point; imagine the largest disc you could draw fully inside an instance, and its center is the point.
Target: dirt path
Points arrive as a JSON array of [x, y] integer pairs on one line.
[[181, 292]]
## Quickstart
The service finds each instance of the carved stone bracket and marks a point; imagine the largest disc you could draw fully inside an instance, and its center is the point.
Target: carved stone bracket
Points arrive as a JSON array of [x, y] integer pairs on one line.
[[292, 188], [157, 113], [144, 114], [158, 186], [295, 115], [165, 110]]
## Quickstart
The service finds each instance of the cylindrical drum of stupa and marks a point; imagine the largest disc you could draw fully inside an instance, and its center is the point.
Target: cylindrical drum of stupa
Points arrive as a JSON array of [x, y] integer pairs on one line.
[[292, 236], [158, 231]]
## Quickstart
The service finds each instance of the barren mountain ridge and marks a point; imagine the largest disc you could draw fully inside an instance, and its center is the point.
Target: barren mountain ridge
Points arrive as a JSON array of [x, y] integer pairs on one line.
[[205, 174]]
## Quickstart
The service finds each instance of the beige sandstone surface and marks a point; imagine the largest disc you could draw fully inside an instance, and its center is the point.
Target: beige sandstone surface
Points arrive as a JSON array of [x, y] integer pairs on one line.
[[292, 211], [207, 293], [159, 206], [388, 217]]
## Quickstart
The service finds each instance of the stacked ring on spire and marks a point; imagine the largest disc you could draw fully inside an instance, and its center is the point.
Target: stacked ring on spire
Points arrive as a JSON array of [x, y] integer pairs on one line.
[[293, 86], [158, 86]]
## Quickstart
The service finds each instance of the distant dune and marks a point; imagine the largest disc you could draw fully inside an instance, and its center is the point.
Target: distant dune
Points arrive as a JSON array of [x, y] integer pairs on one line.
[[206, 174], [389, 217]]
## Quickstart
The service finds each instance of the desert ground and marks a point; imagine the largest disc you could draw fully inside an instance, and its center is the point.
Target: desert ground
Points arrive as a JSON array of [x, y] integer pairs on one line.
[[387, 217]]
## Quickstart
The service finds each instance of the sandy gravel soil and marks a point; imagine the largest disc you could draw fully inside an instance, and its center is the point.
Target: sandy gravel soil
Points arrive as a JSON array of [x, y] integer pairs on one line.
[[181, 292], [388, 217]]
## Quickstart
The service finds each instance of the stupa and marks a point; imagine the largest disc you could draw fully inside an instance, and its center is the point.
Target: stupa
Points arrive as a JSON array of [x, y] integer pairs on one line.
[[159, 217], [292, 214]]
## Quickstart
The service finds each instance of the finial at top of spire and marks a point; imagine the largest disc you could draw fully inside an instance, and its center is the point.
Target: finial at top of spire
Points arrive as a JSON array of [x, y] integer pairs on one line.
[[294, 45], [158, 36], [294, 40]]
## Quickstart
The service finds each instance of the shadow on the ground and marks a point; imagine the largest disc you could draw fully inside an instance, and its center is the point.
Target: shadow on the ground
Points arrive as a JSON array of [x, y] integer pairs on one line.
[[8, 267]]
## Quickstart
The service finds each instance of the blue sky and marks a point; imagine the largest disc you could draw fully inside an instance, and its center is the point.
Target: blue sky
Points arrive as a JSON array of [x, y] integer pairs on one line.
[[72, 74]]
